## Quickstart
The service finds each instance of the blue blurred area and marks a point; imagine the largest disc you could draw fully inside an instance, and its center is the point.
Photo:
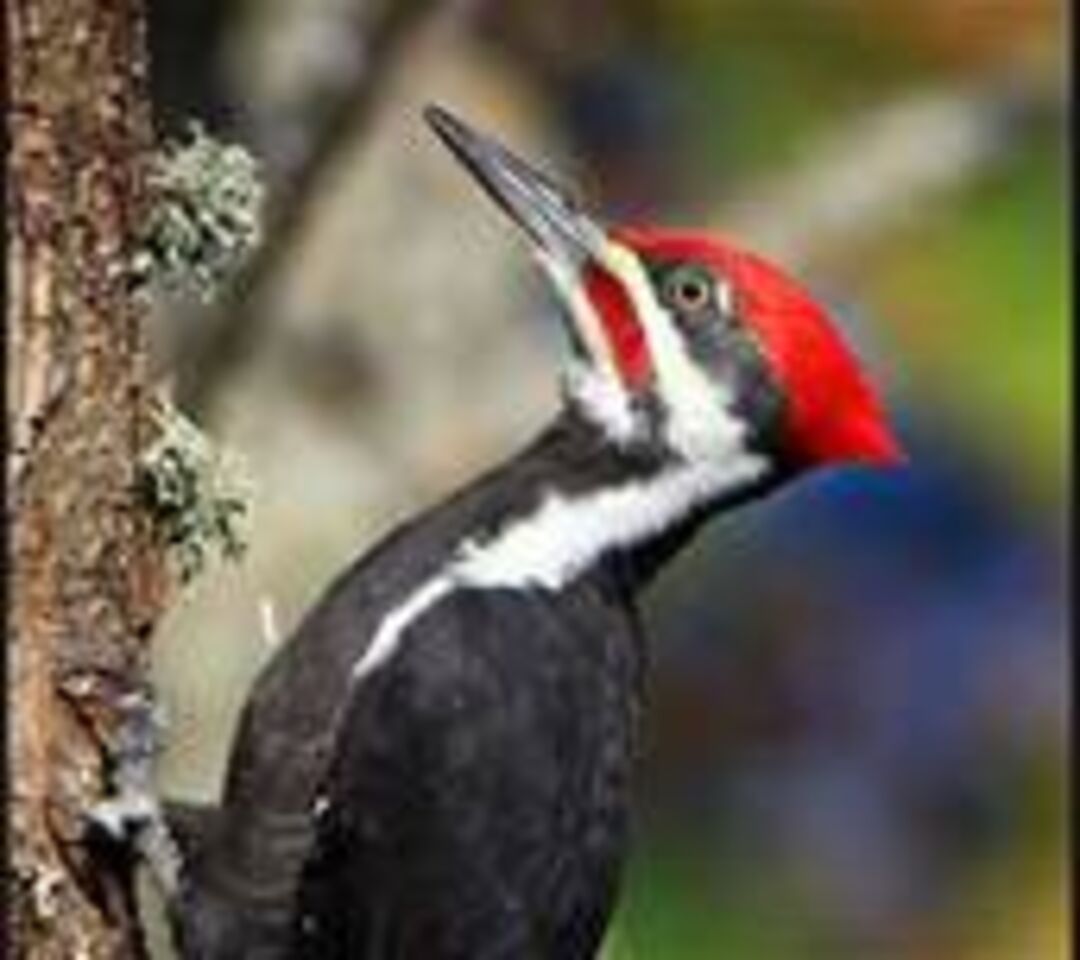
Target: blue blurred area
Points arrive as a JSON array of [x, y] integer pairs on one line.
[[868, 679]]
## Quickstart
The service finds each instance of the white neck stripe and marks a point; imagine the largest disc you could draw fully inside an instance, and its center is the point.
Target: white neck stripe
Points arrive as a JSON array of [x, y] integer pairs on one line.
[[563, 537]]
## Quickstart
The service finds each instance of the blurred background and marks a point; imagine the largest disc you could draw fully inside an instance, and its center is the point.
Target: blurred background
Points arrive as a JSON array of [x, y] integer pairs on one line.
[[856, 741]]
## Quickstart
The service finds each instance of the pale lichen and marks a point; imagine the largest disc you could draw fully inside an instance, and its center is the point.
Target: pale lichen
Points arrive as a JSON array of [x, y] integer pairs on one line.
[[197, 493], [205, 217]]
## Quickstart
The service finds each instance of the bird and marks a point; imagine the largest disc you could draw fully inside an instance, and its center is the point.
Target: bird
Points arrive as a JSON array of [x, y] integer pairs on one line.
[[439, 763]]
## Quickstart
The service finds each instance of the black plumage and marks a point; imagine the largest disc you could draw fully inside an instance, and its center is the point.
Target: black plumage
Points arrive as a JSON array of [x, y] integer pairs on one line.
[[469, 798]]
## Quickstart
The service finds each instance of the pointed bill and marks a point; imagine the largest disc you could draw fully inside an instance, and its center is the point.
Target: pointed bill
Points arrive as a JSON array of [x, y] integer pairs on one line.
[[573, 249], [546, 212]]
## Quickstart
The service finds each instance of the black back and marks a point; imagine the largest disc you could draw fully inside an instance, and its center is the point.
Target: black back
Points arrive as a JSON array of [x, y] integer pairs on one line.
[[483, 813]]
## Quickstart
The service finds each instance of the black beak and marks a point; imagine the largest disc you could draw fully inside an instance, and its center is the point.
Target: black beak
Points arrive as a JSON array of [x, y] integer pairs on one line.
[[546, 212]]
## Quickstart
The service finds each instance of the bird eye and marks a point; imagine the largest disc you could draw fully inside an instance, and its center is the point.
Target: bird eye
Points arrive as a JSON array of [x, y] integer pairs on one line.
[[689, 289]]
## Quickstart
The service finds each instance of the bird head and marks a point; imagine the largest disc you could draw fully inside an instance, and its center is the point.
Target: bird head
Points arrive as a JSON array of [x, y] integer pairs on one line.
[[683, 339]]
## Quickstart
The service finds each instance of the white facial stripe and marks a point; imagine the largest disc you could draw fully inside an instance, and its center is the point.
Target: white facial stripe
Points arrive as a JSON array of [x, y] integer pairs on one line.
[[701, 426], [589, 326], [725, 298], [599, 388]]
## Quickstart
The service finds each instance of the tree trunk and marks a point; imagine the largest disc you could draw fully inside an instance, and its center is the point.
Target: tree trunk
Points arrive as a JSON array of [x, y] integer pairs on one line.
[[87, 578]]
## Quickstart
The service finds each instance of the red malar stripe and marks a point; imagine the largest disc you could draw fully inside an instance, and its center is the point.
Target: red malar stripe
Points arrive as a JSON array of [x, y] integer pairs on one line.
[[621, 326]]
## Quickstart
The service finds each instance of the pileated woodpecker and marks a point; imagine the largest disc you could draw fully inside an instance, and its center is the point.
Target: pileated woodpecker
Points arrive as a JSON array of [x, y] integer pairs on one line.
[[437, 765]]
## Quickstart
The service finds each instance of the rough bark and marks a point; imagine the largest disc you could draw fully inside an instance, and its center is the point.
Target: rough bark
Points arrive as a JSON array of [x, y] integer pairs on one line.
[[87, 580]]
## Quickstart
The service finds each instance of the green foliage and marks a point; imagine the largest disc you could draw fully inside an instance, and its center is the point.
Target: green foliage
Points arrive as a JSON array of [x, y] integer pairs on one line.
[[198, 494], [979, 298], [679, 905], [758, 82], [205, 219]]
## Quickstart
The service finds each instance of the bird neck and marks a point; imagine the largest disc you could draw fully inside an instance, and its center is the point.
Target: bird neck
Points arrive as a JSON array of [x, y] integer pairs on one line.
[[573, 502]]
